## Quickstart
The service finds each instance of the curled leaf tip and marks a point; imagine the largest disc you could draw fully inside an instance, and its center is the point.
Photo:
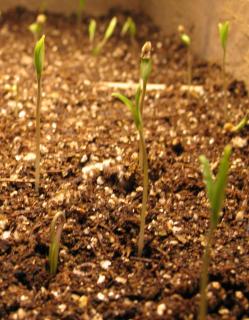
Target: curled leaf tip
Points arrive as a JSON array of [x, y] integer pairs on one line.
[[146, 50]]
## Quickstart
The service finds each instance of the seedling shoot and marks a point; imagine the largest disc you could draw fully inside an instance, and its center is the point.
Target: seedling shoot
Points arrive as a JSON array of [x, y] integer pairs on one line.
[[240, 126], [136, 110], [223, 33], [108, 33], [186, 40], [215, 189], [129, 27], [39, 54], [82, 4], [92, 30], [55, 239], [37, 28]]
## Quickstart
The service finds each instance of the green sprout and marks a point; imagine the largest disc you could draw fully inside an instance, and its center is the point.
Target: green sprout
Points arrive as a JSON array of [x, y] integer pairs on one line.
[[92, 30], [129, 27], [240, 126], [108, 33], [55, 238], [215, 189], [39, 54], [223, 33], [136, 110], [82, 4], [37, 28], [186, 40]]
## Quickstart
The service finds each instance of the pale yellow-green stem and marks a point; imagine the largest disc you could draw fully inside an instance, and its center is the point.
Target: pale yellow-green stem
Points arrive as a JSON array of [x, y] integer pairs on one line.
[[145, 193], [38, 136], [224, 76], [189, 75], [204, 275], [141, 108]]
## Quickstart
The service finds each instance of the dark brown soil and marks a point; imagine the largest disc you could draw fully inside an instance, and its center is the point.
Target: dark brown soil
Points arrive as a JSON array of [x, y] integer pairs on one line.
[[99, 275]]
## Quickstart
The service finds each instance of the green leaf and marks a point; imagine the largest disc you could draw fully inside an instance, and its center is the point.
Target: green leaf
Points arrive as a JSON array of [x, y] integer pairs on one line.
[[129, 26], [111, 28], [185, 39], [92, 29], [207, 177], [145, 69], [220, 185], [35, 28], [134, 109], [223, 33], [39, 54], [124, 99], [241, 124]]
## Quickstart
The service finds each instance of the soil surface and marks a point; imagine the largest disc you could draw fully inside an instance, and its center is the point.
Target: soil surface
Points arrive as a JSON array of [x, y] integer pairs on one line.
[[89, 170]]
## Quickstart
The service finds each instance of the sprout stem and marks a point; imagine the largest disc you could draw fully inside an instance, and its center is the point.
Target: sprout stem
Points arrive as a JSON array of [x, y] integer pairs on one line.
[[55, 236], [204, 276], [224, 76], [141, 107], [189, 57], [145, 192], [38, 135]]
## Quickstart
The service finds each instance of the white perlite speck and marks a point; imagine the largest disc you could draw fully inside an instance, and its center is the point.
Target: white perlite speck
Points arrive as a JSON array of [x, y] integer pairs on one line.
[[160, 309], [105, 264], [101, 279]]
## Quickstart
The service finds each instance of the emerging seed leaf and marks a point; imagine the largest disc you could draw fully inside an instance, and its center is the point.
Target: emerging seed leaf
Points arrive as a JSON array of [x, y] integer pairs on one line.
[[185, 39], [133, 108], [220, 185], [241, 124], [223, 32], [92, 29], [111, 28], [207, 176], [39, 56], [145, 64], [35, 28], [55, 237], [216, 188], [129, 26]]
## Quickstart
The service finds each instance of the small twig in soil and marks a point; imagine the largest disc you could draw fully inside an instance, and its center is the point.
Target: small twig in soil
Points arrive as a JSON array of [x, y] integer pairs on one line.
[[9, 180], [127, 86]]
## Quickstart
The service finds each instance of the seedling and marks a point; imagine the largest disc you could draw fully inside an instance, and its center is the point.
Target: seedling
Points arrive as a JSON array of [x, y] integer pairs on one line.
[[186, 40], [129, 27], [237, 128], [39, 54], [82, 4], [37, 27], [136, 110], [215, 189], [55, 239], [108, 33], [92, 30], [223, 33]]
